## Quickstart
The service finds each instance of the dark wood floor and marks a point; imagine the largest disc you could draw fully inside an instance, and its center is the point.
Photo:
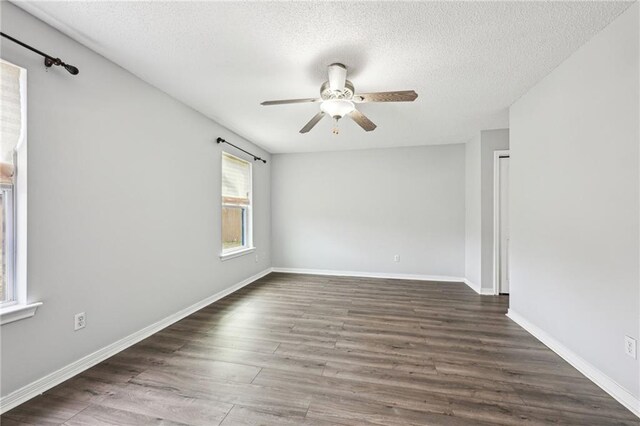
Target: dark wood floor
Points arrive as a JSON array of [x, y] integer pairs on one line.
[[311, 350]]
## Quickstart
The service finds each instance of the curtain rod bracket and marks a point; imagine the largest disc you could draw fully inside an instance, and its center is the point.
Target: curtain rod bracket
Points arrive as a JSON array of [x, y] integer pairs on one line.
[[255, 158]]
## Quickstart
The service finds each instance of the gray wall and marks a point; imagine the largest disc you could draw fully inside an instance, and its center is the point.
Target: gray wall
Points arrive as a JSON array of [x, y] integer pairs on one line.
[[473, 217], [124, 211], [354, 210], [479, 183], [574, 202], [492, 140]]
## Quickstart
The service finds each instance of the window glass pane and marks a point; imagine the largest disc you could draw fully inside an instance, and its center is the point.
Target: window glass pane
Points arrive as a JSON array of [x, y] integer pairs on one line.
[[3, 249], [233, 235], [11, 109], [6, 239], [236, 180]]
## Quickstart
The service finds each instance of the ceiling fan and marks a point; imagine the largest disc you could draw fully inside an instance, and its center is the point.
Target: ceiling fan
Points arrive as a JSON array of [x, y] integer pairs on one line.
[[339, 99]]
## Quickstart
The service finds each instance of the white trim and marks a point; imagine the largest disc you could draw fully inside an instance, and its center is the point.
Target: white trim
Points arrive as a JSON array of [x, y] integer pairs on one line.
[[481, 291], [472, 285], [47, 382], [13, 313], [236, 253], [11, 288], [607, 384], [417, 277], [496, 217]]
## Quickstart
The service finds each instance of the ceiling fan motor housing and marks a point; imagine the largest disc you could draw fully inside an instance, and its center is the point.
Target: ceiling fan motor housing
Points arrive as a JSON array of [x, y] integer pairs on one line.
[[327, 93]]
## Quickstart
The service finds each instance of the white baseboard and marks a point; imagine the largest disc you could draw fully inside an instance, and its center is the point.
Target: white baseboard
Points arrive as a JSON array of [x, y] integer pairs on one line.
[[442, 278], [475, 287], [607, 384], [47, 382], [481, 291]]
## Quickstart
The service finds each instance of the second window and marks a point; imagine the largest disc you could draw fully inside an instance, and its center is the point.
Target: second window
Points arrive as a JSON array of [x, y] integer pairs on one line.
[[236, 204]]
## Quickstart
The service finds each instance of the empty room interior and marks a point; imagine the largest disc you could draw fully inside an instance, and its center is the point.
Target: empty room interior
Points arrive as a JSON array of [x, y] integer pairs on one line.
[[319, 213]]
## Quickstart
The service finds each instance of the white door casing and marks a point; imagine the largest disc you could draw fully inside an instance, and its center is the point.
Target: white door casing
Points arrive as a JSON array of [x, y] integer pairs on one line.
[[503, 286], [501, 222]]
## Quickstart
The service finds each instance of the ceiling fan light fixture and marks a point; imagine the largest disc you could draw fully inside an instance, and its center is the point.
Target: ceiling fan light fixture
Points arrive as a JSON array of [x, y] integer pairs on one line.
[[338, 98], [337, 108]]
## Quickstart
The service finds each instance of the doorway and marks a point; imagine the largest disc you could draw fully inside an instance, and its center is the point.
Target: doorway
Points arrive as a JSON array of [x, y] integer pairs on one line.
[[501, 223]]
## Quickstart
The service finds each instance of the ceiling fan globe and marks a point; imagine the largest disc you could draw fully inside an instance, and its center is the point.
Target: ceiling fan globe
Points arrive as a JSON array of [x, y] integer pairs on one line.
[[337, 107]]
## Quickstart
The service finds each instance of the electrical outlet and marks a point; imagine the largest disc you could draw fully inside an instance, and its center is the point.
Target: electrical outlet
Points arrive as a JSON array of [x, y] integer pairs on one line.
[[630, 346], [80, 321], [396, 258], [257, 258]]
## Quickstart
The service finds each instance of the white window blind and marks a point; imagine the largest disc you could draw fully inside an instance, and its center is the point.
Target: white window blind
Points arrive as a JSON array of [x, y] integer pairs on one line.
[[236, 180], [10, 118]]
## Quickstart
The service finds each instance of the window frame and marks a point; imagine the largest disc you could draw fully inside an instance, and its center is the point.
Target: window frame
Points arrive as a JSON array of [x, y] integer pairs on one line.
[[247, 247], [9, 250], [17, 306]]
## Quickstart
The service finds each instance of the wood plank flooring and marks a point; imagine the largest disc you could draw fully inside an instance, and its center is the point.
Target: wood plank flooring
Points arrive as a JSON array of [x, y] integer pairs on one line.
[[312, 350]]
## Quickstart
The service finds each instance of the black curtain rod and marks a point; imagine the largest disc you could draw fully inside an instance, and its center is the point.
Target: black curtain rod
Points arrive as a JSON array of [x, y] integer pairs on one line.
[[49, 60], [255, 158]]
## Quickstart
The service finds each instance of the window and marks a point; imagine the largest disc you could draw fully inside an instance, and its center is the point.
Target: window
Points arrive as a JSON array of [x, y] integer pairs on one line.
[[13, 191], [236, 207], [11, 128]]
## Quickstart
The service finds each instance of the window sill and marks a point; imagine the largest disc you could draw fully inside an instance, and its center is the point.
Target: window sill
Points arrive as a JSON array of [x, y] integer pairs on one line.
[[17, 312], [236, 253]]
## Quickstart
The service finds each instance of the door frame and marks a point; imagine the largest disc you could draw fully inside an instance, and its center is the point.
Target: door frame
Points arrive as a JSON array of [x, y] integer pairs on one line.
[[496, 217]]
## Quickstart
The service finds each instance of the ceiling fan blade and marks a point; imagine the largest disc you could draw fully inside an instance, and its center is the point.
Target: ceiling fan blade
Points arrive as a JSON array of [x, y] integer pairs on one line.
[[337, 77], [362, 120], [312, 122], [398, 96], [291, 101]]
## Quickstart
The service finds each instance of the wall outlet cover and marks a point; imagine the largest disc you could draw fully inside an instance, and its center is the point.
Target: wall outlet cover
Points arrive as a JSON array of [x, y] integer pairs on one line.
[[630, 347], [396, 258], [79, 321]]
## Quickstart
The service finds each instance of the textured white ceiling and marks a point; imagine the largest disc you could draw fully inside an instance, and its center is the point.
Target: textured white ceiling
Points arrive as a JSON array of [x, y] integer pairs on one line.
[[468, 61]]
